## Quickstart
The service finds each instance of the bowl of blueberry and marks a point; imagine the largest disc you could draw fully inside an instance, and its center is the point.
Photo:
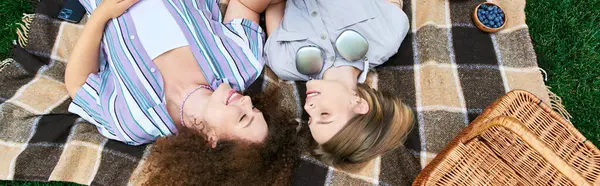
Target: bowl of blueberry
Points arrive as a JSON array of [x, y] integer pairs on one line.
[[489, 17]]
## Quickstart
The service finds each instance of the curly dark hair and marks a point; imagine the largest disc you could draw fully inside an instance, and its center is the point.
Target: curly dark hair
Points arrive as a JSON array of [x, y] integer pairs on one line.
[[186, 159]]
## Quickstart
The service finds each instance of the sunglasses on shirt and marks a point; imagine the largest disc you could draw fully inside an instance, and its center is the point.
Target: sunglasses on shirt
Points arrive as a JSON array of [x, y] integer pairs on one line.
[[350, 44]]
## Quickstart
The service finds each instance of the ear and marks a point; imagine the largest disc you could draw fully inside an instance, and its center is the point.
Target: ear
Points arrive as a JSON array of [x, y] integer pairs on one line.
[[361, 107], [212, 139]]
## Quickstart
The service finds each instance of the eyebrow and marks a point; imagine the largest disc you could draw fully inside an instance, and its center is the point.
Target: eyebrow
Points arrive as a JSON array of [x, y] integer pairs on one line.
[[250, 122]]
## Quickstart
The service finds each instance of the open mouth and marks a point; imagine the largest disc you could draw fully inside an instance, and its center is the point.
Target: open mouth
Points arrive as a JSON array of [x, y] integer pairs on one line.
[[312, 93], [233, 96]]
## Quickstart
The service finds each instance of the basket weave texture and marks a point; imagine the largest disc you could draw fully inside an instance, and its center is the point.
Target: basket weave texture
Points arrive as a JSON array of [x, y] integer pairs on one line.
[[517, 140]]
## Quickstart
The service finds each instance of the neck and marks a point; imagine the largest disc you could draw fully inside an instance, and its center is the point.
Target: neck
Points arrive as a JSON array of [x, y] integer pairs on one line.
[[175, 93], [346, 75]]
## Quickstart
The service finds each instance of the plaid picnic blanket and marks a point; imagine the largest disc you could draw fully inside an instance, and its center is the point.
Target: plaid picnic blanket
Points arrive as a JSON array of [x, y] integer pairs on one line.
[[446, 69]]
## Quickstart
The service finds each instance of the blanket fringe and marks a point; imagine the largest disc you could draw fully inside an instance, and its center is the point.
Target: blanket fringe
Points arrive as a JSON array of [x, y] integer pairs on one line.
[[557, 105], [5, 63], [23, 30]]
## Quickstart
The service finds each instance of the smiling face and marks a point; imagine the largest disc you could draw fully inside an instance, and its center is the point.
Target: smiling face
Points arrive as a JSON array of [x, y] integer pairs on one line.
[[233, 116], [330, 105]]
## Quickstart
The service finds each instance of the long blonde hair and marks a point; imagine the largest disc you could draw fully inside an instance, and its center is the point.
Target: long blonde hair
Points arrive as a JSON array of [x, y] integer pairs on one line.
[[384, 127]]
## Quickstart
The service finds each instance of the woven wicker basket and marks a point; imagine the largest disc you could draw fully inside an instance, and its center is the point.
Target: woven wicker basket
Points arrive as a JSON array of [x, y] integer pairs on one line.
[[517, 140]]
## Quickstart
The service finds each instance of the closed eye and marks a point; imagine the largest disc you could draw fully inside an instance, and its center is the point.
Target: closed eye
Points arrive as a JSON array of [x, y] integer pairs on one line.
[[324, 116], [242, 118], [249, 122], [324, 122]]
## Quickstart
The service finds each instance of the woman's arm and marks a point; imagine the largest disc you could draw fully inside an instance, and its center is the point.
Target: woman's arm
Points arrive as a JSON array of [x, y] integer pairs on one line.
[[274, 15], [248, 9], [84, 58]]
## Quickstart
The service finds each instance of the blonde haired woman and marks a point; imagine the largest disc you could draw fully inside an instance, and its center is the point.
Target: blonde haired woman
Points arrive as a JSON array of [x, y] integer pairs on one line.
[[351, 122]]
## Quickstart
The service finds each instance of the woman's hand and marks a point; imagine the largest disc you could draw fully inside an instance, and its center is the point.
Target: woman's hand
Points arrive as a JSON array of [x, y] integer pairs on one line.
[[109, 9]]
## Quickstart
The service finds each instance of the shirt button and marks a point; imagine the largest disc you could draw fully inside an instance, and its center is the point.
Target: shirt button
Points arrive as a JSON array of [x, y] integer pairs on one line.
[[314, 14], [324, 36], [152, 70], [132, 37]]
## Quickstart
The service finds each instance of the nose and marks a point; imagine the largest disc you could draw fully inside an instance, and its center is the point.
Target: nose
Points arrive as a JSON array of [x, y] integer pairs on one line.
[[309, 106], [246, 102]]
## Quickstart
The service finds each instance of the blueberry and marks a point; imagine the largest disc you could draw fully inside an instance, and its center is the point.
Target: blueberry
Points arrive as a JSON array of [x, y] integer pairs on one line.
[[483, 6], [490, 8], [501, 15], [482, 17]]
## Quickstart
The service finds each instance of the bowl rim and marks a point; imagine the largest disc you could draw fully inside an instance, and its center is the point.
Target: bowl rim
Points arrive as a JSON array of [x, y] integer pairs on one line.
[[476, 17]]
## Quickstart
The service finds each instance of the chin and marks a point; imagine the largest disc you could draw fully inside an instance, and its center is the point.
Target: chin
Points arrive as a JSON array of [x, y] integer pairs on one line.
[[318, 84]]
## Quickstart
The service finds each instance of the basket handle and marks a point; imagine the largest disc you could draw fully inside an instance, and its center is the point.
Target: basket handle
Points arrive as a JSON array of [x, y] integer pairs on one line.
[[531, 139]]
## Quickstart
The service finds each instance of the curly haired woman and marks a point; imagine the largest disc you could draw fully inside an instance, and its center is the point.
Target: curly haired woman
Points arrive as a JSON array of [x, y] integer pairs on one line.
[[145, 69], [185, 159]]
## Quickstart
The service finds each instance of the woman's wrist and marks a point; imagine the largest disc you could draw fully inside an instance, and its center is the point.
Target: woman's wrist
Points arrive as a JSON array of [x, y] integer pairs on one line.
[[99, 16]]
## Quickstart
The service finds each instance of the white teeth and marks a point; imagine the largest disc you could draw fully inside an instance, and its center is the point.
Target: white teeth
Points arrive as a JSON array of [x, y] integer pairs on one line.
[[312, 94], [231, 97]]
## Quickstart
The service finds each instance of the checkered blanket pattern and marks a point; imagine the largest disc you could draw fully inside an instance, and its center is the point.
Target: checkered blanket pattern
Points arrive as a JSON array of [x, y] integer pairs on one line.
[[446, 69]]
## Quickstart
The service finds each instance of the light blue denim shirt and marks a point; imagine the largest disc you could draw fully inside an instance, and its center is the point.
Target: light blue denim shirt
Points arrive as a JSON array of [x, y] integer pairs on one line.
[[320, 22]]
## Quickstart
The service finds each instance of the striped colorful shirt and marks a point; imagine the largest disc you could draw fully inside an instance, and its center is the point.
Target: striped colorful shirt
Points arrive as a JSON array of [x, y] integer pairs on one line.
[[125, 99]]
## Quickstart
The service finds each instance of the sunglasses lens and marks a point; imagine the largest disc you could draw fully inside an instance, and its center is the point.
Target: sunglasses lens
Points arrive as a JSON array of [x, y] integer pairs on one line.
[[309, 60], [351, 45]]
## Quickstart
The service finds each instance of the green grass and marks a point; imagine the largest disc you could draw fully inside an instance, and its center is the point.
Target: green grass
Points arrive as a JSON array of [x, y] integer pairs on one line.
[[11, 12], [566, 35]]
